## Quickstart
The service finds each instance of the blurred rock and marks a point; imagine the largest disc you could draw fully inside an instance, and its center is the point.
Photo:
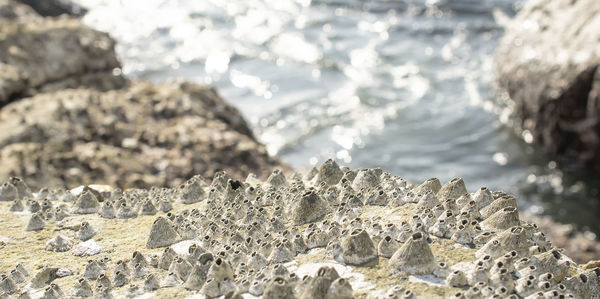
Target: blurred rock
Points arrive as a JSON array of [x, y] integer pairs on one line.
[[46, 54], [11, 10], [54, 8], [548, 63], [137, 137]]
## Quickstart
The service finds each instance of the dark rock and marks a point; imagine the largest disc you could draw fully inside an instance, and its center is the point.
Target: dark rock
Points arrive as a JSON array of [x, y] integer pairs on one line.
[[548, 63], [54, 8], [49, 54]]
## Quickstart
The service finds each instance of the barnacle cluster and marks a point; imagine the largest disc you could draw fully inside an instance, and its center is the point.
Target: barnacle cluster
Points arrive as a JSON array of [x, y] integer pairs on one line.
[[331, 233]]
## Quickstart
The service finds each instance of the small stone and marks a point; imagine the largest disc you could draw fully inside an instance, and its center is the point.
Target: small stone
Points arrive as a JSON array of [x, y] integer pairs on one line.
[[87, 248]]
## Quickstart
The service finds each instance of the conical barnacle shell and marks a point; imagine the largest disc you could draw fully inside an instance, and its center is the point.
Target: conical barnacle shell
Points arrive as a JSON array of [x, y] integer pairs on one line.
[[138, 258], [220, 269], [457, 279], [7, 285], [330, 173], [309, 207], [86, 203], [377, 198], [181, 268], [191, 192], [60, 213], [358, 248], [365, 179], [515, 238], [22, 189], [8, 192], [17, 206], [53, 291], [463, 235], [497, 205], [33, 206], [503, 219], [148, 208], [427, 201], [36, 222], [162, 234], [280, 254], [430, 185], [86, 231], [414, 256], [59, 243], [17, 276], [340, 289], [151, 283], [387, 247], [139, 271], [43, 277], [166, 258], [318, 285], [171, 280], [277, 288], [120, 279], [126, 211], [453, 189], [92, 270], [82, 288], [107, 210], [277, 179], [197, 277], [483, 197], [311, 174]]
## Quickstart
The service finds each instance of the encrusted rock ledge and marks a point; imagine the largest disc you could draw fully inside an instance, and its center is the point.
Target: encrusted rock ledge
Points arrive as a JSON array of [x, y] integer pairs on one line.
[[332, 233]]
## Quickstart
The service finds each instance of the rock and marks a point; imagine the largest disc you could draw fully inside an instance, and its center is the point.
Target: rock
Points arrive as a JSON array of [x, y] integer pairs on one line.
[[51, 54], [138, 137], [54, 8], [548, 64], [87, 248]]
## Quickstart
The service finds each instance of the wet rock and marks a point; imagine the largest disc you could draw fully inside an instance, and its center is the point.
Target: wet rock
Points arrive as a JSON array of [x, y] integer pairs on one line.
[[548, 64]]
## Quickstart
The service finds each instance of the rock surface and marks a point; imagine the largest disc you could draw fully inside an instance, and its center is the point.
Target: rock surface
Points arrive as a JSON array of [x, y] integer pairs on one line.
[[145, 135], [237, 242], [548, 63], [47, 54]]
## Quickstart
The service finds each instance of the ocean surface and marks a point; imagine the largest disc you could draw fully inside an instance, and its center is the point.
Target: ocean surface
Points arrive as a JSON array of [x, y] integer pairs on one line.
[[407, 86]]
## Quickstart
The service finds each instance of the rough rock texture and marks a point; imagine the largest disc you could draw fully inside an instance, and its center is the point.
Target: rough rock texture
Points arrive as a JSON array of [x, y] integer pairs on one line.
[[47, 54], [548, 63], [237, 242], [146, 135]]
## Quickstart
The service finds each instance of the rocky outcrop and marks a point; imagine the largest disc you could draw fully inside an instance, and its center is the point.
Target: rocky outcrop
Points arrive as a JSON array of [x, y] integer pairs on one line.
[[548, 63], [137, 137], [45, 54], [236, 242]]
